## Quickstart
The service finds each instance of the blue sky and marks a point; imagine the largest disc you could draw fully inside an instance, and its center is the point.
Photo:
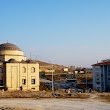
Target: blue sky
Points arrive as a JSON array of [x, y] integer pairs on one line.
[[66, 32]]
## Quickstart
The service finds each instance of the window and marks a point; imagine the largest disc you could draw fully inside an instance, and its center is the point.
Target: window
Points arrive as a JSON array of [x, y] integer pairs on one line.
[[1, 70], [24, 70], [101, 75], [33, 88], [108, 70], [32, 69], [98, 82], [24, 81], [1, 82], [32, 81]]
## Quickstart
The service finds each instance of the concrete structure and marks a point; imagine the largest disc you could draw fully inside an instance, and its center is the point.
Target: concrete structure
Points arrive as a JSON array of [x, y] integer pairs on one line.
[[15, 71], [101, 75], [65, 69]]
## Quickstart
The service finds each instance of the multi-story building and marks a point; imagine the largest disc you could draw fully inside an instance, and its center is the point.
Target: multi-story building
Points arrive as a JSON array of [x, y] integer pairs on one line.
[[101, 75], [15, 71]]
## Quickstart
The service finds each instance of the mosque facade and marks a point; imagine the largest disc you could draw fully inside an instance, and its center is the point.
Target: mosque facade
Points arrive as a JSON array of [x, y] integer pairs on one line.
[[15, 71]]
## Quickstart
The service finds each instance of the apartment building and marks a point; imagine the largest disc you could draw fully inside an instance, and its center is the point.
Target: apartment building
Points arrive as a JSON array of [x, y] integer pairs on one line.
[[101, 75]]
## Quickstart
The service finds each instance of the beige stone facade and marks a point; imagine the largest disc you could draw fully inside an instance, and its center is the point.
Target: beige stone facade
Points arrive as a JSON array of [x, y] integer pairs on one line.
[[15, 71]]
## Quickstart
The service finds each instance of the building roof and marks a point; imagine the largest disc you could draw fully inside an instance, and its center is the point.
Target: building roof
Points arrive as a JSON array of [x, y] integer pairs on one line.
[[102, 63], [45, 81], [9, 46]]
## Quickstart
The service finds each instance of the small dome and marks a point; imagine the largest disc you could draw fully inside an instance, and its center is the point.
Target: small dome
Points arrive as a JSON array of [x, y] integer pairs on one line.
[[31, 61], [12, 60], [9, 46]]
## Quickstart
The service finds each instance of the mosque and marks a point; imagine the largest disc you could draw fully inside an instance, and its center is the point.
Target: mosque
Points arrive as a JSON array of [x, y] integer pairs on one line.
[[15, 71]]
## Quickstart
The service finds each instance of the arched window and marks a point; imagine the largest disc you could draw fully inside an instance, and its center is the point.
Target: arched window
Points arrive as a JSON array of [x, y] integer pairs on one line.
[[1, 70], [33, 70], [24, 70]]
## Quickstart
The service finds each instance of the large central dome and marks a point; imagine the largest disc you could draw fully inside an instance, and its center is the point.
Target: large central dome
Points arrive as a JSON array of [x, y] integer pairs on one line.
[[9, 46], [10, 51]]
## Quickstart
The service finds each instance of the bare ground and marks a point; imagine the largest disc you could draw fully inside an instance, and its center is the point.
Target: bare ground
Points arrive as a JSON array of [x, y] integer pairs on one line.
[[95, 101], [54, 104]]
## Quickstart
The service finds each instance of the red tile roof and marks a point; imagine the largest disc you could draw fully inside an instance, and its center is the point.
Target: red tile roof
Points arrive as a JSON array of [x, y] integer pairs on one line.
[[102, 63]]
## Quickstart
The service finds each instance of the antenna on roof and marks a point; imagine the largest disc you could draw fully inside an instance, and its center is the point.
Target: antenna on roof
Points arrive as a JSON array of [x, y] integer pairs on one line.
[[7, 41]]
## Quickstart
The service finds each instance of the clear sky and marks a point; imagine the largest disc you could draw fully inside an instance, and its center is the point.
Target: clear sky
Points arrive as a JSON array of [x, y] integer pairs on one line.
[[66, 32]]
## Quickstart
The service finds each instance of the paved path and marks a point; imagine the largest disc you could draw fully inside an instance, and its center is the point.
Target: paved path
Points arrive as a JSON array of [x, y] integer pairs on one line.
[[55, 104]]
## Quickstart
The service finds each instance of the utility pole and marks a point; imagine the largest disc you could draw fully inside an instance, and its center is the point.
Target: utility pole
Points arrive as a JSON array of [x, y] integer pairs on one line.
[[86, 81], [52, 81], [52, 78], [30, 55]]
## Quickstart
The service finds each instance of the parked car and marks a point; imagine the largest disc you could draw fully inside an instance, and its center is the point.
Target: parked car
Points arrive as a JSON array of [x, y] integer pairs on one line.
[[73, 90], [56, 94], [80, 91]]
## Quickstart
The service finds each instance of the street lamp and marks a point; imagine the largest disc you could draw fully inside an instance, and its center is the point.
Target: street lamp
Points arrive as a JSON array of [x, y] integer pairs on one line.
[[52, 78]]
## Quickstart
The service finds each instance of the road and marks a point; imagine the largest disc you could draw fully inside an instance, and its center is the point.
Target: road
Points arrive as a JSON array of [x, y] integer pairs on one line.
[[56, 104]]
